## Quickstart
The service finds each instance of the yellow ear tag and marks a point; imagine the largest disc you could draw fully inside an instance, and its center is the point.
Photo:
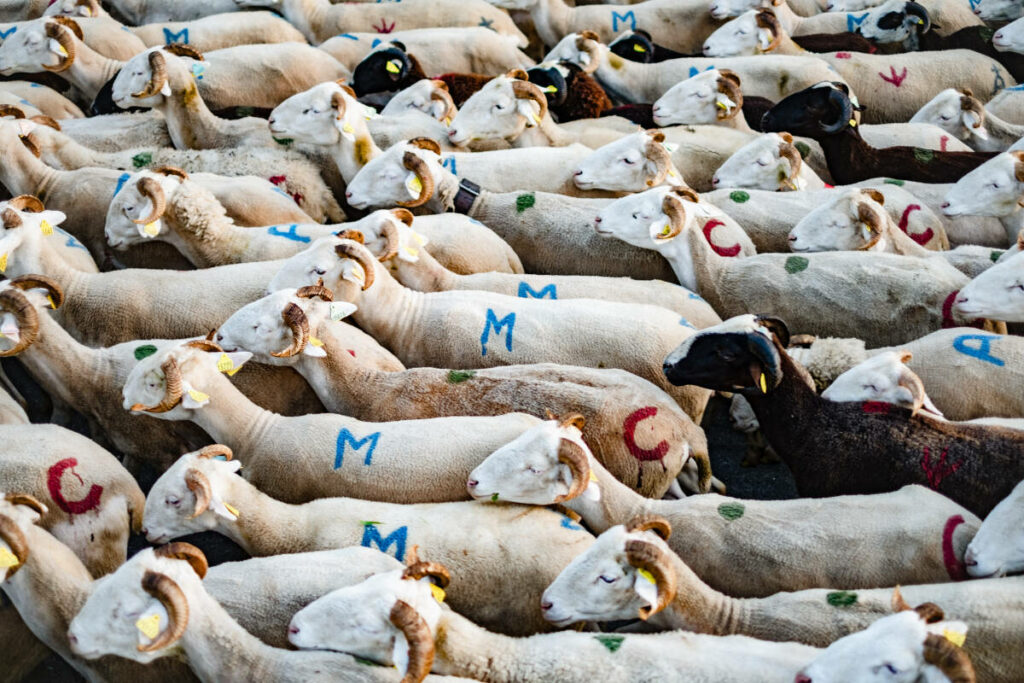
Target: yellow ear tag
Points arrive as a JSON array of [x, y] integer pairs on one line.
[[672, 173], [646, 574], [438, 592], [955, 637], [88, 12], [550, 88], [447, 120], [198, 396], [315, 342], [722, 105], [348, 128], [63, 52], [639, 48], [666, 230], [394, 66], [358, 274], [593, 477], [412, 252], [3, 263], [853, 123], [7, 559], [151, 229], [226, 365], [764, 384], [149, 626], [536, 119], [231, 508], [52, 304], [414, 184], [45, 226]]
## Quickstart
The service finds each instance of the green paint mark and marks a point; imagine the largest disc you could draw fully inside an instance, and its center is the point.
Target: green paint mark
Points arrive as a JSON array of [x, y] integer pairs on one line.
[[369, 523], [986, 33], [803, 148], [244, 111], [995, 255], [283, 141], [611, 642], [894, 181], [731, 511], [925, 156], [841, 598], [739, 196], [794, 264], [142, 159], [525, 201], [144, 351], [494, 497], [456, 376]]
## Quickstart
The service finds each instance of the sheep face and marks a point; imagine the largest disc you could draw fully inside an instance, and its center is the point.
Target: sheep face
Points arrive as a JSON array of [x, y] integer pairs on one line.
[[396, 178], [640, 219], [321, 261], [19, 233], [758, 165], [891, 23], [498, 111], [738, 38], [822, 109], [1010, 38], [696, 100], [357, 619], [30, 50], [883, 378], [189, 498], [996, 294], [891, 650], [629, 164], [69, 8], [998, 10], [120, 616], [135, 84], [998, 547], [583, 51], [426, 96], [992, 189], [945, 111], [723, 9], [848, 222], [319, 116], [135, 214]]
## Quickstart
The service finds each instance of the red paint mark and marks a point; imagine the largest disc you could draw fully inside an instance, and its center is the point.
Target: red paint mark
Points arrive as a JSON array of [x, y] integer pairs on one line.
[[876, 407], [894, 79], [72, 507], [352, 352], [297, 197], [872, 50], [829, 187], [629, 427], [942, 142], [721, 251], [947, 314], [936, 473], [921, 238], [954, 567], [843, 55], [384, 28], [278, 179]]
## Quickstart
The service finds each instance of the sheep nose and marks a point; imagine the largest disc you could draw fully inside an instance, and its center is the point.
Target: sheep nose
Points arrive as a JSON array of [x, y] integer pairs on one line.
[[577, 172], [944, 205], [715, 180], [452, 132], [666, 366], [145, 531], [293, 630], [802, 678], [792, 238], [348, 195], [271, 120], [72, 638], [545, 606], [472, 484], [597, 220]]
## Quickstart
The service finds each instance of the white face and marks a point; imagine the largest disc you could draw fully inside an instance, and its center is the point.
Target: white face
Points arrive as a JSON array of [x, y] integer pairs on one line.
[[737, 38], [693, 101], [170, 504], [493, 113], [998, 547], [343, 276], [67, 8], [416, 98], [723, 9], [566, 50], [29, 49], [134, 77], [637, 219], [875, 379], [129, 205], [309, 117], [835, 226], [599, 584], [870, 29], [944, 111], [998, 10], [107, 623], [1010, 38], [891, 650], [996, 294], [991, 189], [385, 181], [146, 383], [756, 165], [621, 165]]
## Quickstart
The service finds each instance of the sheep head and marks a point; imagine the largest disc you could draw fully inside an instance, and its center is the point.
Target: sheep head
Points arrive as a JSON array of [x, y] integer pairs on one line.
[[406, 175], [821, 110], [896, 21], [957, 112], [143, 80], [651, 219], [632, 163], [883, 378], [723, 9], [42, 45], [996, 188], [327, 114], [707, 98], [754, 32], [428, 96], [75, 8], [627, 572], [136, 213], [997, 549], [584, 49], [501, 110], [996, 294], [768, 162], [853, 219], [344, 266], [23, 223]]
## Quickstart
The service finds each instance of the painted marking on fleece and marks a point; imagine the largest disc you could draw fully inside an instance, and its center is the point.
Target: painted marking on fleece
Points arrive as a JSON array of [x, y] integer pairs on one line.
[[397, 538], [121, 180], [291, 234], [172, 37], [492, 322], [853, 21], [921, 238], [841, 598], [694, 70], [4, 34], [449, 163], [72, 242], [487, 23], [384, 28], [546, 292], [896, 80], [795, 264], [937, 472], [611, 642], [999, 83], [954, 566], [730, 512], [629, 436], [567, 523], [947, 314], [346, 438], [721, 251], [91, 500], [983, 351], [626, 18]]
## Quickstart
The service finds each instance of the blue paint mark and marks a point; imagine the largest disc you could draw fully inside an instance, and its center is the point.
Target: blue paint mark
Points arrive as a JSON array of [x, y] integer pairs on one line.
[[121, 180], [35, 85], [1016, 87], [292, 233], [548, 292], [974, 4], [694, 296], [449, 163], [397, 538], [376, 42], [853, 21], [349, 36], [72, 242], [197, 70], [694, 70], [498, 325], [282, 193], [25, 102], [686, 323], [982, 351], [172, 37], [567, 523], [4, 34], [628, 17], [999, 83], [346, 437]]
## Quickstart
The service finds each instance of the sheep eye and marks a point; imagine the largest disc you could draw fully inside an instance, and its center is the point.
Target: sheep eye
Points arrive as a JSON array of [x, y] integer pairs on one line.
[[890, 668], [319, 271], [761, 162], [636, 216], [741, 32], [533, 470], [628, 162], [872, 387], [499, 107], [1019, 285], [607, 579], [173, 501]]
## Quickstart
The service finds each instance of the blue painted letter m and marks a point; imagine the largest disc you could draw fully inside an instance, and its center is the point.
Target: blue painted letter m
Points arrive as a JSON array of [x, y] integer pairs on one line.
[[179, 37], [345, 438], [492, 322], [624, 18], [548, 292], [372, 537]]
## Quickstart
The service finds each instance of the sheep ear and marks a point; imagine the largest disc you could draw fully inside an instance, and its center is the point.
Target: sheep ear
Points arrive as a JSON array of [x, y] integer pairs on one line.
[[764, 39], [192, 398], [230, 363], [9, 330], [973, 125], [313, 351], [150, 230], [400, 653], [529, 110], [874, 194], [341, 309], [646, 587]]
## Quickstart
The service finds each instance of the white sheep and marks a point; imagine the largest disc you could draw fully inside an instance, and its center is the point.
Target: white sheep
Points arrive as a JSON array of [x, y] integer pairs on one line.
[[882, 378], [995, 549], [58, 240], [963, 116], [75, 9], [998, 10], [139, 12], [1008, 38], [993, 189], [997, 293], [744, 548], [47, 100], [105, 35], [768, 162], [218, 31]]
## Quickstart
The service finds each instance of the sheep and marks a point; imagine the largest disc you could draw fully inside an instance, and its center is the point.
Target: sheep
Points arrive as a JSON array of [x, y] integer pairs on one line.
[[75, 8], [764, 554], [413, 630], [428, 96], [760, 32], [139, 12], [995, 548], [218, 31], [92, 503], [998, 10], [888, 445], [1008, 38], [992, 189], [103, 34], [825, 112], [47, 100], [962, 115], [319, 19], [347, 386], [883, 378], [819, 617], [198, 493], [768, 76], [114, 132], [998, 292], [30, 210], [536, 330], [768, 162], [11, 411]]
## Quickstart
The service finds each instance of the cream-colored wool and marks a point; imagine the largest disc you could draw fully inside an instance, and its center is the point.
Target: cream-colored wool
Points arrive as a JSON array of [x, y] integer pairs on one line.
[[219, 31], [11, 412], [45, 99]]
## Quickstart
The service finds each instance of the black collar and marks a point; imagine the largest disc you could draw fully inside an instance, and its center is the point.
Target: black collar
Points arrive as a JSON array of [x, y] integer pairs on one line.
[[467, 194]]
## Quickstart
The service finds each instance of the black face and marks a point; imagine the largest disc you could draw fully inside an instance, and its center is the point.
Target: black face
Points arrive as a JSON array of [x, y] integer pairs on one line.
[[635, 46], [721, 362], [373, 75], [546, 79], [803, 113], [104, 102]]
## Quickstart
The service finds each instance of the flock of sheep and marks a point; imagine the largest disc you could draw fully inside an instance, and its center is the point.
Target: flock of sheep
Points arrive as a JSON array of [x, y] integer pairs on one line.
[[420, 303]]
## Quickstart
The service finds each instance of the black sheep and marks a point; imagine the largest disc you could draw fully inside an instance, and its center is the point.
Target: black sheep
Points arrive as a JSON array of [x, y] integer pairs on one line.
[[637, 46]]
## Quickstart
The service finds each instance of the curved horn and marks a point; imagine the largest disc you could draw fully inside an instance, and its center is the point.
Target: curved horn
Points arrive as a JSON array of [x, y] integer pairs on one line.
[[203, 345], [417, 569], [214, 450], [418, 166], [729, 85], [655, 523], [26, 500], [151, 190], [70, 23], [651, 558], [14, 537], [31, 144], [170, 171], [930, 612], [11, 219], [295, 318], [199, 485], [12, 111], [25, 314], [47, 121], [350, 234], [172, 388], [573, 457], [662, 159], [970, 103], [41, 282], [392, 240], [92, 5], [839, 99], [913, 9], [158, 66], [875, 225], [440, 94], [26, 202], [57, 31], [766, 18], [421, 641], [672, 207], [912, 383], [949, 658], [427, 144], [524, 90], [360, 255], [763, 349], [180, 550], [182, 50], [170, 595], [317, 290], [789, 151]]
